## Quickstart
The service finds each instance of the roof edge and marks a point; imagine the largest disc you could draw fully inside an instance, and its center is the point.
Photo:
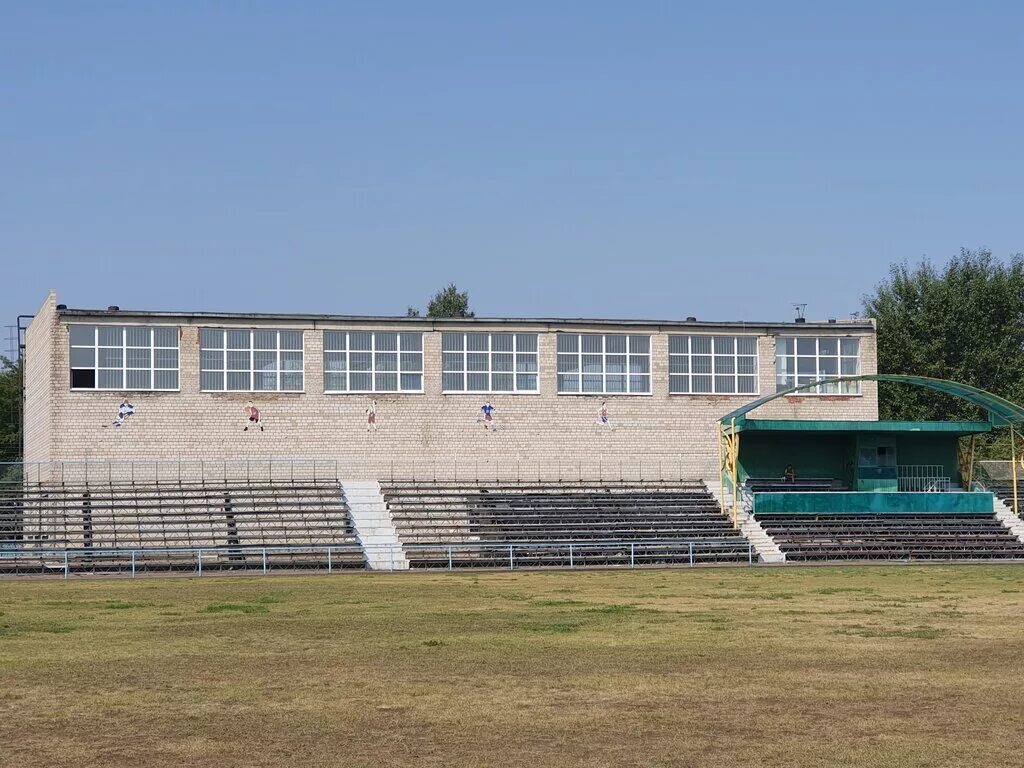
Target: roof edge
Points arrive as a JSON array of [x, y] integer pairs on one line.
[[199, 317], [860, 425]]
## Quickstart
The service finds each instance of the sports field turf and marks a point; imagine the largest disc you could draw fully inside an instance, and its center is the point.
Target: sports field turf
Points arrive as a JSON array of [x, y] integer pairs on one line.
[[866, 666]]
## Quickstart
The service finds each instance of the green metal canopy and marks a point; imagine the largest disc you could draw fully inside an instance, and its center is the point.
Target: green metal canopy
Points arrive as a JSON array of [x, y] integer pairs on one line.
[[958, 428], [1001, 412]]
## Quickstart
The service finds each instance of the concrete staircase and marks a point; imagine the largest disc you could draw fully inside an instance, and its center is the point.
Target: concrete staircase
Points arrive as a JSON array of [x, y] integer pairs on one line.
[[767, 550], [374, 528], [1004, 514]]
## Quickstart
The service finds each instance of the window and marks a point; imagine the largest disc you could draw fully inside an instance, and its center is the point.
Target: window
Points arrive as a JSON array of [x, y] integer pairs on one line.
[[611, 364], [489, 362], [250, 360], [805, 359], [123, 357], [878, 457], [720, 365], [373, 361]]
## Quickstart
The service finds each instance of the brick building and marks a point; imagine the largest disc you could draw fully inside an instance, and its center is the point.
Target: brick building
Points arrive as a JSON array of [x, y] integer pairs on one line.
[[396, 396]]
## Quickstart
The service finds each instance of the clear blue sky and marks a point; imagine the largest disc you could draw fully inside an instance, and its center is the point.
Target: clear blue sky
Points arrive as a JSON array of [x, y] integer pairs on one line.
[[554, 158]]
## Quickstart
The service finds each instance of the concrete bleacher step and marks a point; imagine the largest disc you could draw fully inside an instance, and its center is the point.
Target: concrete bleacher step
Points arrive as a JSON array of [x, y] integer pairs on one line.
[[374, 526], [768, 551], [1004, 514]]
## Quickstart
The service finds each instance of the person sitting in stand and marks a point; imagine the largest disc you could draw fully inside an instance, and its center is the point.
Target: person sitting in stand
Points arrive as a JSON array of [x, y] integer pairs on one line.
[[789, 474]]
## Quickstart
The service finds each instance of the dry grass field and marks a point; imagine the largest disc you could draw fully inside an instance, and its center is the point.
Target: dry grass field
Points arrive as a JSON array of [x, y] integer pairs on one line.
[[851, 666]]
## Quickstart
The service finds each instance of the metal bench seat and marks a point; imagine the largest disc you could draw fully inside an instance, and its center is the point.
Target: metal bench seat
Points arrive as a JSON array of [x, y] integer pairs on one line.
[[98, 521], [572, 535], [892, 537], [579, 554], [472, 524], [778, 485], [568, 520]]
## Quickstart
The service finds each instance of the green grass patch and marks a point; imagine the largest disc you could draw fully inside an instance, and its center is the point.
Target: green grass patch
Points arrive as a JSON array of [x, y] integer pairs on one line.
[[552, 628], [918, 633], [618, 610], [37, 626], [235, 608], [123, 605]]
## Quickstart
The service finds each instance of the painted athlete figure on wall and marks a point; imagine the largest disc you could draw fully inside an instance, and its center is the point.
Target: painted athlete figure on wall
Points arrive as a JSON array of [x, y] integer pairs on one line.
[[124, 410], [371, 416], [253, 417], [603, 419], [487, 415]]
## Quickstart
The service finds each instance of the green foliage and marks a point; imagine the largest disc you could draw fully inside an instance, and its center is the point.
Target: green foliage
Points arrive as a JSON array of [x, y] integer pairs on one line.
[[10, 411], [964, 322], [449, 302]]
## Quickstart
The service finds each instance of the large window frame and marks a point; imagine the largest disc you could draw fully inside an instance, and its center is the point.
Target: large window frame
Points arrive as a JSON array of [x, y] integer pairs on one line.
[[118, 358], [804, 359], [250, 347], [504, 362], [347, 362], [704, 364], [581, 359]]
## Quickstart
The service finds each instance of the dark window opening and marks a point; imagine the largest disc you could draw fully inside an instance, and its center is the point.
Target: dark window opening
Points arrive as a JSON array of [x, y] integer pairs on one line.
[[83, 378]]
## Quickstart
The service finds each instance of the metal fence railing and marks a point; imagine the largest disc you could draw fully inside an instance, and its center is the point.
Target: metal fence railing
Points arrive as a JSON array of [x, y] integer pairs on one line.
[[922, 478], [998, 472], [65, 563], [168, 470], [920, 470], [595, 469]]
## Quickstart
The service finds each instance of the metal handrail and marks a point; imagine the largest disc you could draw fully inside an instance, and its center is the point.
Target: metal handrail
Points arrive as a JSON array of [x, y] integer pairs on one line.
[[62, 560], [286, 548]]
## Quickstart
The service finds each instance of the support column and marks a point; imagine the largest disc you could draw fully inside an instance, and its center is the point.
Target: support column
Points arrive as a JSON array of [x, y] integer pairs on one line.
[[1013, 468]]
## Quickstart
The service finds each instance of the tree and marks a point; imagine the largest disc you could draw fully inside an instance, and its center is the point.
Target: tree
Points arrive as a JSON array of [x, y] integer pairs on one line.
[[10, 410], [964, 322], [449, 302]]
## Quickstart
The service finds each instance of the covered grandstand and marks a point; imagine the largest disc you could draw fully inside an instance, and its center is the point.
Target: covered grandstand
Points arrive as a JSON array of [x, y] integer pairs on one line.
[[878, 490]]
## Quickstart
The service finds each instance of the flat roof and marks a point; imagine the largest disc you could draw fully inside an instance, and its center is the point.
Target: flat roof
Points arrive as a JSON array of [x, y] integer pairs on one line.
[[794, 425], [190, 318]]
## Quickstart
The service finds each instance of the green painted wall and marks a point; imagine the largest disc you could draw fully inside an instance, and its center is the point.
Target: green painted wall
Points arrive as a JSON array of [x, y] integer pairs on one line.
[[872, 503], [766, 454], [924, 448]]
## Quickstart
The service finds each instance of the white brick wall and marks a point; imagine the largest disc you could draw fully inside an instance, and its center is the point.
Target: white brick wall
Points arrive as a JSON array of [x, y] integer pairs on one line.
[[40, 381], [671, 435]]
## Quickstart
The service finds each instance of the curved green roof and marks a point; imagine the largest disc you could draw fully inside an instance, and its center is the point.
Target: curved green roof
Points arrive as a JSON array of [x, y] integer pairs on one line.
[[1001, 411]]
